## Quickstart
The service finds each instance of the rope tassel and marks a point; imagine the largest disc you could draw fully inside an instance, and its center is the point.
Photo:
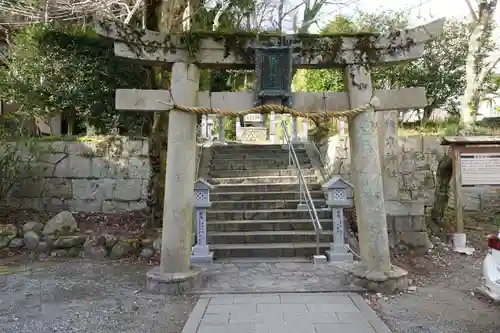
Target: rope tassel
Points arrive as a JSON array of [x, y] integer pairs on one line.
[[276, 108]]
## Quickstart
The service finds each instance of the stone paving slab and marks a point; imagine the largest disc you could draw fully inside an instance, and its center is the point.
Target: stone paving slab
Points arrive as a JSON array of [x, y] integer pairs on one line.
[[284, 313], [233, 276]]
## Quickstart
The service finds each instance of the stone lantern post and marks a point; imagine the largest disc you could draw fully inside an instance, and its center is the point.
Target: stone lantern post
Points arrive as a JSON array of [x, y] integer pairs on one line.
[[201, 253], [339, 195]]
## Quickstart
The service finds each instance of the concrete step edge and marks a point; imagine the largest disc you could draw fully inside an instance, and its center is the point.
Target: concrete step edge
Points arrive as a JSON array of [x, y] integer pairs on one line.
[[264, 201], [221, 211], [261, 184], [267, 246], [265, 221], [260, 193], [269, 233]]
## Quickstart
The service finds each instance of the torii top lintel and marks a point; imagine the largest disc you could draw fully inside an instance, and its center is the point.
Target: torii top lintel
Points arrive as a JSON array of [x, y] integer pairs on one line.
[[235, 50]]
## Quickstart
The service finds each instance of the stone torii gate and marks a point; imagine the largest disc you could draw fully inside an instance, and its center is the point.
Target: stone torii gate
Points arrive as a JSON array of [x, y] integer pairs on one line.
[[354, 53]]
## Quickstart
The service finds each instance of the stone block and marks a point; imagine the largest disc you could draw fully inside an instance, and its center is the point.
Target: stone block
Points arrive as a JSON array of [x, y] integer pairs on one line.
[[57, 188], [110, 206], [74, 167], [120, 167], [418, 223], [81, 148], [137, 205], [39, 169], [85, 205], [138, 167], [402, 223], [414, 239], [95, 189], [28, 188], [102, 168], [128, 189], [52, 158], [59, 146], [56, 205], [132, 148]]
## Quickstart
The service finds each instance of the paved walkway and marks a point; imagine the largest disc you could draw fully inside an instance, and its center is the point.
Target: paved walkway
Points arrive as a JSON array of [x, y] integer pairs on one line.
[[284, 313], [268, 276]]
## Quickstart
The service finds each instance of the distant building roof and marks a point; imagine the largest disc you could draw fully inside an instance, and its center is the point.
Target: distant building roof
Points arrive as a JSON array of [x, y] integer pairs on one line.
[[470, 140]]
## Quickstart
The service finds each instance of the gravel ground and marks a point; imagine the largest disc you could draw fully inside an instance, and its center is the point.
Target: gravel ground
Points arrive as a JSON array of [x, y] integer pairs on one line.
[[85, 296], [443, 298]]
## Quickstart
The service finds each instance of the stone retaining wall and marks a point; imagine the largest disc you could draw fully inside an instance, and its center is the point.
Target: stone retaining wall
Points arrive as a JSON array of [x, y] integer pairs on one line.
[[102, 176], [409, 167]]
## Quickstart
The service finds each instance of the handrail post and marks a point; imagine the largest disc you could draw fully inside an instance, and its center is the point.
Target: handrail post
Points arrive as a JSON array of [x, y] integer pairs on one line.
[[305, 195]]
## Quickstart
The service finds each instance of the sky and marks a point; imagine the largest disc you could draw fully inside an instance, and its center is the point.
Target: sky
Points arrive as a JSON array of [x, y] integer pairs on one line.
[[420, 11]]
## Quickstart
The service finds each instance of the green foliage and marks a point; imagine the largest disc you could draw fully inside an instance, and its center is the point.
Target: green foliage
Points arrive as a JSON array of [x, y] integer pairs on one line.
[[14, 165], [441, 70], [50, 70]]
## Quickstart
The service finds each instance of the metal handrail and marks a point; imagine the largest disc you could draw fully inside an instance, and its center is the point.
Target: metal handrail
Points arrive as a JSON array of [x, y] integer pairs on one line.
[[326, 167], [304, 190]]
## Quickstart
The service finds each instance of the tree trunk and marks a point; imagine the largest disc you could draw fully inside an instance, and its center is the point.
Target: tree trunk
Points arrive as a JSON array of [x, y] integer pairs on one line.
[[481, 27], [442, 191], [161, 15]]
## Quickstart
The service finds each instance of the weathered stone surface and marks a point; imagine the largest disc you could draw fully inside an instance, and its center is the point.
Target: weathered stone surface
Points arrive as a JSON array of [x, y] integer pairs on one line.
[[43, 247], [94, 252], [31, 240], [7, 233], [100, 189], [102, 168], [128, 189], [157, 244], [63, 223], [122, 249], [73, 166], [66, 242], [57, 188], [74, 252], [32, 226], [147, 253], [110, 240], [59, 253], [16, 243]]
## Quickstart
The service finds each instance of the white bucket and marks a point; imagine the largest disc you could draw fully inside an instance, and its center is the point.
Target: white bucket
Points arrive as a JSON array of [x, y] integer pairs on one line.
[[459, 240]]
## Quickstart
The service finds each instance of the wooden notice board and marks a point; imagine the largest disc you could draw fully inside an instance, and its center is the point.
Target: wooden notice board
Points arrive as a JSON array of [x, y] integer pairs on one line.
[[476, 163]]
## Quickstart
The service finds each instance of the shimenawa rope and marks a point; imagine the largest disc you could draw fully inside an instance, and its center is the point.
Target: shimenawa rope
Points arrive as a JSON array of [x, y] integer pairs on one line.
[[279, 109]]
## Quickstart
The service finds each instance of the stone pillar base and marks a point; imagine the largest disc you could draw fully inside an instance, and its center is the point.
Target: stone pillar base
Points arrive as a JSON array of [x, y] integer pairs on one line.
[[384, 282], [202, 255], [172, 283], [337, 257]]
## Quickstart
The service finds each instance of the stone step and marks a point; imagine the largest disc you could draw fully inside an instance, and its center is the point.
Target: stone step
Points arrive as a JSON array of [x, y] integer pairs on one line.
[[256, 147], [260, 172], [270, 214], [254, 154], [231, 165], [267, 225], [269, 250], [269, 161], [263, 188], [280, 236], [262, 204], [256, 196], [265, 180]]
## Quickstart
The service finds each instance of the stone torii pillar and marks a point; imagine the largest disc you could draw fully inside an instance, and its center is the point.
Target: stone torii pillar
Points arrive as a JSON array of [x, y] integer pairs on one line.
[[376, 267], [175, 275]]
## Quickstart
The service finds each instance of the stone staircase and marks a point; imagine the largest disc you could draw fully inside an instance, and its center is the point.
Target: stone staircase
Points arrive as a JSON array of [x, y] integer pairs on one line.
[[254, 211]]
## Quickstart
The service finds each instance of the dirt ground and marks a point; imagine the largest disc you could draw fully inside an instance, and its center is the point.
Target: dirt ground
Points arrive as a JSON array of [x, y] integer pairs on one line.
[[76, 295], [443, 296]]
